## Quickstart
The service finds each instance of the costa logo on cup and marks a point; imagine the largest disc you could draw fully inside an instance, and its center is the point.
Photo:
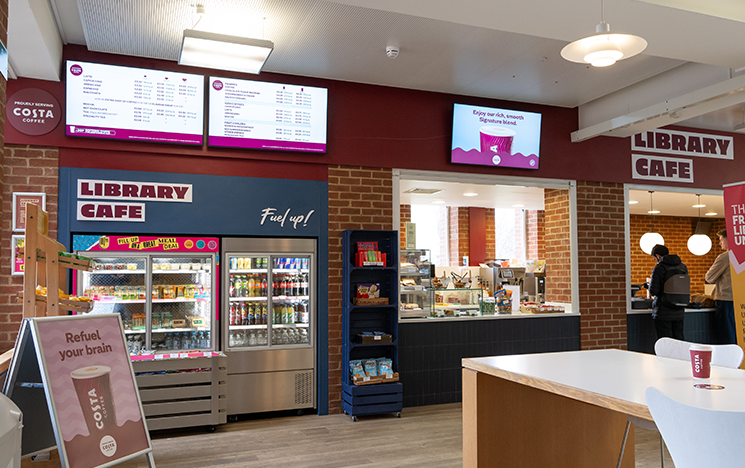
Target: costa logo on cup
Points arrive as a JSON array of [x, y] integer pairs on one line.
[[93, 388], [701, 361], [217, 84], [76, 69]]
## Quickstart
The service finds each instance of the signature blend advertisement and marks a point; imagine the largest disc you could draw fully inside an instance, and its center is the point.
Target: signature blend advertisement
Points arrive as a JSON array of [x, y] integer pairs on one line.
[[495, 137], [90, 380]]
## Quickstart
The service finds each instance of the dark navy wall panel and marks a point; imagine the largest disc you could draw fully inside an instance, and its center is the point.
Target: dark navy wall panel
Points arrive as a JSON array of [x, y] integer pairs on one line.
[[430, 353], [223, 206]]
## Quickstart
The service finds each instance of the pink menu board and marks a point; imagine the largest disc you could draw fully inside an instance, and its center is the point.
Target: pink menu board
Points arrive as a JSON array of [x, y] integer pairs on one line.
[[273, 116], [135, 104]]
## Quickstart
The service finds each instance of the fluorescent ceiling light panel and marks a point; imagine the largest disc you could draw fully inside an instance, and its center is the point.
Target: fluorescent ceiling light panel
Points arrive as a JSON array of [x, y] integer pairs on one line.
[[223, 52]]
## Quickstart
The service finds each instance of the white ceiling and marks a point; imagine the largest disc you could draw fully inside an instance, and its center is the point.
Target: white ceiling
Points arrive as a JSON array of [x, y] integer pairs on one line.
[[500, 49]]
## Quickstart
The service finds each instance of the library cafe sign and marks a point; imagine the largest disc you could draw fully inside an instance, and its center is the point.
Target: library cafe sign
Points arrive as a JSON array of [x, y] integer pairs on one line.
[[673, 143]]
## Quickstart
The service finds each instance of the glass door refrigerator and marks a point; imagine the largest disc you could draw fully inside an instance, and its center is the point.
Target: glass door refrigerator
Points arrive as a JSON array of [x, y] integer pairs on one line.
[[162, 287], [268, 330]]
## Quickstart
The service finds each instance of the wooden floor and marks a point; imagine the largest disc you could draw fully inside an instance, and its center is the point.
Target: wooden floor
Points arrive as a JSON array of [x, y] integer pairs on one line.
[[427, 436]]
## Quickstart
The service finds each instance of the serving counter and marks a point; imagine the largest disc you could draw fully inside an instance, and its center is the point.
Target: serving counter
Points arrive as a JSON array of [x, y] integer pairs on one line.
[[698, 328], [431, 349]]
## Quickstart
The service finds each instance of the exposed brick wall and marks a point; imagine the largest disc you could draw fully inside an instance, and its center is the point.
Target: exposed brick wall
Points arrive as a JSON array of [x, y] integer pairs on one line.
[[676, 231], [359, 198], [557, 242], [459, 235], [602, 267], [405, 211], [535, 232], [491, 241], [25, 169]]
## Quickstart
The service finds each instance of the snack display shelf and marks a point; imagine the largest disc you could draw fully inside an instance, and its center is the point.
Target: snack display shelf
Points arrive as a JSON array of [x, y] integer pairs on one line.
[[118, 272], [164, 330], [160, 357], [157, 272], [155, 301]]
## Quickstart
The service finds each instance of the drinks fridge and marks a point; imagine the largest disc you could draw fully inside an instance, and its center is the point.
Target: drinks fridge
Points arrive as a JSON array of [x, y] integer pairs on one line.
[[162, 287], [269, 323]]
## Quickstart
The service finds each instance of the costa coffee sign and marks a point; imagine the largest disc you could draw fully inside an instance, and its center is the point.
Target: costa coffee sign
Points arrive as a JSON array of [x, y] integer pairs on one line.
[[33, 111]]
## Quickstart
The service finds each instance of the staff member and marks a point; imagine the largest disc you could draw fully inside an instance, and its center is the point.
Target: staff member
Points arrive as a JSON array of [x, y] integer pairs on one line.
[[668, 321], [719, 276]]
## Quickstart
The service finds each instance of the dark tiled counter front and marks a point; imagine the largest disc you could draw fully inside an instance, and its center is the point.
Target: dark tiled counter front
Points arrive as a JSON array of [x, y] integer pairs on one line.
[[431, 351], [699, 328]]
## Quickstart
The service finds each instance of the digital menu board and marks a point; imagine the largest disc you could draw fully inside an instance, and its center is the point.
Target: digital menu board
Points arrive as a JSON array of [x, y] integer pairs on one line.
[[495, 137], [135, 104], [255, 114]]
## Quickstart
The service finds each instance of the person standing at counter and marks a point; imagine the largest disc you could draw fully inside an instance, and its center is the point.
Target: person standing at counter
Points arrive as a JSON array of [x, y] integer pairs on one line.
[[668, 320], [719, 276]]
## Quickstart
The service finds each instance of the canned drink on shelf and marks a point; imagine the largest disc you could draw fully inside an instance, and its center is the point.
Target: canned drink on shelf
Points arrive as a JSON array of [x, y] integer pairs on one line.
[[233, 263], [240, 263]]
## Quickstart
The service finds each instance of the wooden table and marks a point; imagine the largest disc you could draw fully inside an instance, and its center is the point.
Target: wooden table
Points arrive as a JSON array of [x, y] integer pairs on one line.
[[569, 409]]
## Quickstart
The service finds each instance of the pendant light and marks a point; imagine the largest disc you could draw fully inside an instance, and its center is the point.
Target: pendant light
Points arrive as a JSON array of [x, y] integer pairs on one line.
[[699, 243], [603, 49], [651, 238]]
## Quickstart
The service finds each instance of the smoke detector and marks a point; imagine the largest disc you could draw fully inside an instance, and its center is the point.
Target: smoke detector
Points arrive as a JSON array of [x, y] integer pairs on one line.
[[391, 51]]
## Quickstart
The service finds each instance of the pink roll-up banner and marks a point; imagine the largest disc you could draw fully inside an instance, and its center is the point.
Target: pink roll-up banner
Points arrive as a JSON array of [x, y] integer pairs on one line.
[[734, 212]]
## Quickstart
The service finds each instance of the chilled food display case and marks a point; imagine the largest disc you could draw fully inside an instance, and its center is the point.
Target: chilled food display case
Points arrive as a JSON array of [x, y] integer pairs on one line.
[[161, 286], [456, 302], [414, 276], [269, 323]]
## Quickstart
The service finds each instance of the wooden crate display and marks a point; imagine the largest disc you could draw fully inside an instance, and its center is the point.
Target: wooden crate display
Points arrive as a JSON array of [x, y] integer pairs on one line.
[[191, 392]]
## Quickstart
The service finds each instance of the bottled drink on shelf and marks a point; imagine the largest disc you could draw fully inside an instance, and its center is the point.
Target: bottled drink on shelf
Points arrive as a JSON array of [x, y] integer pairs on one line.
[[263, 314], [251, 314], [304, 285], [232, 314], [262, 290], [244, 314]]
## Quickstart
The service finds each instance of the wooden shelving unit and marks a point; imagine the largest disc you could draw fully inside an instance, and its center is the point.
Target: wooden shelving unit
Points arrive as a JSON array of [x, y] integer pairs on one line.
[[372, 395]]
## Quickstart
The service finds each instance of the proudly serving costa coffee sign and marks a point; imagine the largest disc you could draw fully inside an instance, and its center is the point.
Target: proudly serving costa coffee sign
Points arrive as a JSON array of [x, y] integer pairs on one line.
[[33, 111]]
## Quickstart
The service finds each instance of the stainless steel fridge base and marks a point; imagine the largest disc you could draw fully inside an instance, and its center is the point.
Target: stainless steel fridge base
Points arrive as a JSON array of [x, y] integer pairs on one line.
[[271, 391], [269, 360], [184, 399]]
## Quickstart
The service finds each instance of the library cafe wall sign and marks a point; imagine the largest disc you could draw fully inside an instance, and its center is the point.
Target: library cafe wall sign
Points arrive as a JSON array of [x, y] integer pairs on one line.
[[674, 143], [33, 111]]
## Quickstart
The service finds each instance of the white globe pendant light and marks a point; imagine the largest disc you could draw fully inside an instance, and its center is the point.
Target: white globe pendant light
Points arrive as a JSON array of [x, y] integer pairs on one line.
[[651, 238], [699, 243]]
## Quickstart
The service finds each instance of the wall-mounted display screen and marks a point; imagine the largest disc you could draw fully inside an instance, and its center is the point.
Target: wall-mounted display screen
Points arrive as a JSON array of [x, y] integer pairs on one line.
[[135, 104], [495, 137], [274, 116]]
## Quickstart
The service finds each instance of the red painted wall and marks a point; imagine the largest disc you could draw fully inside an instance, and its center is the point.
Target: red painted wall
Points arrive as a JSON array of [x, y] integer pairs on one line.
[[477, 235], [393, 127]]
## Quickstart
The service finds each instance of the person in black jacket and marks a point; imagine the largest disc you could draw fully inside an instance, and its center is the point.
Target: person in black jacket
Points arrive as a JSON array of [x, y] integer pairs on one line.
[[668, 321]]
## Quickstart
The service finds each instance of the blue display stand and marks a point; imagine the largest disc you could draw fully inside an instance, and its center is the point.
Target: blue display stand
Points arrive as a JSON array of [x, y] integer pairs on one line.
[[378, 398]]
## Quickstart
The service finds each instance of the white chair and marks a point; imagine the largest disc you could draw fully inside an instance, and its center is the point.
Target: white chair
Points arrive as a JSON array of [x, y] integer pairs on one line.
[[722, 355], [698, 437]]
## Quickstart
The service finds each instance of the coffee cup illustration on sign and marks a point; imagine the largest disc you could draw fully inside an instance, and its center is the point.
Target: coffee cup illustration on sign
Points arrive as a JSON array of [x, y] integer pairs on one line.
[[93, 388], [496, 139]]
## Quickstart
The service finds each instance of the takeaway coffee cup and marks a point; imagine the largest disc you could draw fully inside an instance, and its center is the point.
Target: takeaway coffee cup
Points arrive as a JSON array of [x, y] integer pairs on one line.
[[496, 139], [701, 361], [93, 388]]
